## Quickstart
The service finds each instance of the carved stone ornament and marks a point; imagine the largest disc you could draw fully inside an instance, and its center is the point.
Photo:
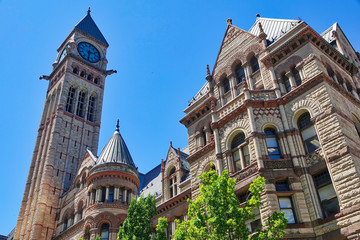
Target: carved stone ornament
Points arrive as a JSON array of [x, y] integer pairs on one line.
[[240, 123]]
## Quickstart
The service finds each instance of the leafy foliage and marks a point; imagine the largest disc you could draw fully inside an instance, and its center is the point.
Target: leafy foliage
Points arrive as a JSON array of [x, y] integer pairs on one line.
[[216, 213], [160, 229], [137, 225]]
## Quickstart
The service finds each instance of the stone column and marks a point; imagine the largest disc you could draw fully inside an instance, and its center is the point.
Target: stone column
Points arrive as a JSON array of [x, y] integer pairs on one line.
[[116, 193], [98, 195], [256, 142], [291, 80], [275, 82], [221, 94], [107, 194], [91, 197], [125, 196], [248, 74], [207, 134], [232, 81]]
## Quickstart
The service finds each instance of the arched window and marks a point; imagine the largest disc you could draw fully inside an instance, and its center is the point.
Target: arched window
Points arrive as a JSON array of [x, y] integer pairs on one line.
[[226, 85], [356, 123], [296, 75], [96, 80], [87, 233], [80, 106], [83, 74], [240, 73], [286, 82], [104, 232], [70, 100], [349, 87], [172, 183], [65, 223], [308, 133], [254, 64], [90, 77], [91, 108], [272, 144], [240, 152], [80, 211], [75, 70], [331, 73], [340, 79], [111, 194]]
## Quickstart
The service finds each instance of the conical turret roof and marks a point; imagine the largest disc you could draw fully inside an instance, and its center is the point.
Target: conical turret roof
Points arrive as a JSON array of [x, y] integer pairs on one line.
[[88, 26], [116, 151]]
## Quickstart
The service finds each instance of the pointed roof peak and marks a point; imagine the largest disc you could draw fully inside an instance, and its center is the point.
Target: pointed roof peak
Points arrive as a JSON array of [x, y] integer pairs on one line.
[[88, 26], [116, 151]]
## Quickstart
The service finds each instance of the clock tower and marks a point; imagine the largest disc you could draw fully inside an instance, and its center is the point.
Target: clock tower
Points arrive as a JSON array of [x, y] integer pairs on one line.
[[70, 124]]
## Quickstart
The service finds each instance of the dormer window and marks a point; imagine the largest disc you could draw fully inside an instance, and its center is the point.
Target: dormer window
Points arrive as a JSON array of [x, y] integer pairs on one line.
[[172, 183]]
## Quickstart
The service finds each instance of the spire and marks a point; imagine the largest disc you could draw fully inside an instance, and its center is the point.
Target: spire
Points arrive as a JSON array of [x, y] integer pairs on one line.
[[116, 151], [88, 26]]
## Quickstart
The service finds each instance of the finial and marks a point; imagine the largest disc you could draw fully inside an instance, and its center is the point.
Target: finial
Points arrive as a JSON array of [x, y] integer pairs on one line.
[[171, 143], [207, 70], [261, 28], [117, 125], [257, 15], [229, 21], [88, 11]]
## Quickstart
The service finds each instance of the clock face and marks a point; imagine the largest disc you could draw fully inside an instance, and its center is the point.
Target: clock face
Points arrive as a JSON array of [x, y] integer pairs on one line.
[[88, 52], [63, 54]]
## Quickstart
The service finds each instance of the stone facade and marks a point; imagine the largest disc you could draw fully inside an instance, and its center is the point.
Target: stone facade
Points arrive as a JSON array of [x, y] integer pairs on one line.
[[282, 102]]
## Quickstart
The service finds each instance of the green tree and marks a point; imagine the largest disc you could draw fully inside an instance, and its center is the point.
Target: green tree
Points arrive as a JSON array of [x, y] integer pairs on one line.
[[160, 229], [216, 213], [137, 225]]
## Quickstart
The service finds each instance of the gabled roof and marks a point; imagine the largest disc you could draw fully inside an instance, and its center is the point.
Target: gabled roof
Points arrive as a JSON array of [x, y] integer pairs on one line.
[[184, 164], [327, 34], [203, 91], [274, 28], [88, 26], [116, 151]]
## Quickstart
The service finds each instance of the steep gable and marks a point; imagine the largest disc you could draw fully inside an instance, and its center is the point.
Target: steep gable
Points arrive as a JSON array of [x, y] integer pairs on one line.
[[236, 45]]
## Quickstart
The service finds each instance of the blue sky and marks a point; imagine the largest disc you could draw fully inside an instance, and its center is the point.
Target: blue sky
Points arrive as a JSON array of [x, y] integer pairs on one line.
[[160, 50]]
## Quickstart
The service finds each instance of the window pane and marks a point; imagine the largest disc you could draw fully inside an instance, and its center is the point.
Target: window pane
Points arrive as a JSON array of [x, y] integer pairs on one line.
[[282, 186], [238, 139], [285, 203], [308, 133], [330, 207], [271, 142], [312, 144], [326, 192], [236, 157], [289, 215], [246, 153], [273, 151]]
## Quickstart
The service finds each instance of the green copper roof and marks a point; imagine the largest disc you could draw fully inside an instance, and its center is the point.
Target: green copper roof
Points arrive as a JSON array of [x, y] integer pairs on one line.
[[88, 26]]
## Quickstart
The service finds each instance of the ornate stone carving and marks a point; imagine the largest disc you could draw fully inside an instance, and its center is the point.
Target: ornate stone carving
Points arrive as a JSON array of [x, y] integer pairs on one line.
[[278, 164], [239, 123]]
